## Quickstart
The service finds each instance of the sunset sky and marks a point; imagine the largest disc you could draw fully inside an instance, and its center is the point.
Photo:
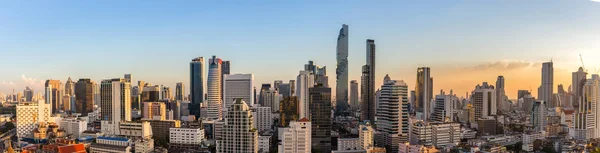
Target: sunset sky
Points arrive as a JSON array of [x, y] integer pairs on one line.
[[464, 42]]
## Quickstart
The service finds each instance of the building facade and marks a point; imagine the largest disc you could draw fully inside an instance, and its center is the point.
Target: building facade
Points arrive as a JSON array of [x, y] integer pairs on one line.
[[354, 95], [368, 84], [423, 93], [214, 89], [237, 86], [296, 138], [84, 96], [320, 116], [155, 110], [196, 85], [305, 81], [238, 134], [392, 114], [341, 70]]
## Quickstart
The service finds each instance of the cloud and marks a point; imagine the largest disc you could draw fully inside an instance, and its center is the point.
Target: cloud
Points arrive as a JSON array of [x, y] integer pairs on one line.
[[505, 65], [29, 81]]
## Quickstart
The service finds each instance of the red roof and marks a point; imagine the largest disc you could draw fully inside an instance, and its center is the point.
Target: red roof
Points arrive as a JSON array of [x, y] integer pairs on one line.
[[76, 148], [304, 120]]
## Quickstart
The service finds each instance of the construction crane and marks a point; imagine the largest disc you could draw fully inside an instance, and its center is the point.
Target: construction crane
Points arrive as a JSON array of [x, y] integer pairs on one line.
[[582, 65]]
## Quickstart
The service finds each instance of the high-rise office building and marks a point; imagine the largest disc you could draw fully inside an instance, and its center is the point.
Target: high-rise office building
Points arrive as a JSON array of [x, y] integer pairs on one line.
[[151, 94], [84, 96], [263, 87], [196, 85], [214, 88], [586, 115], [392, 113], [578, 80], [538, 116], [500, 94], [237, 86], [263, 119], [296, 138], [305, 82], [444, 106], [277, 83], [69, 87], [115, 103], [368, 84], [423, 93], [284, 89], [341, 70], [292, 87], [28, 93], [354, 95], [179, 91], [238, 134], [320, 116], [522, 93], [127, 78], [547, 87], [271, 98], [562, 97], [53, 95], [484, 100], [225, 70]]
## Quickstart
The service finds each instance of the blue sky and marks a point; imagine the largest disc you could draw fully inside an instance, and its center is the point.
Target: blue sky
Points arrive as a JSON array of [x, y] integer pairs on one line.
[[155, 40]]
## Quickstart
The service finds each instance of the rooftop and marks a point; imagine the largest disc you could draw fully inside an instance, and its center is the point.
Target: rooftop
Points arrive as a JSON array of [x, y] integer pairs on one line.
[[114, 138]]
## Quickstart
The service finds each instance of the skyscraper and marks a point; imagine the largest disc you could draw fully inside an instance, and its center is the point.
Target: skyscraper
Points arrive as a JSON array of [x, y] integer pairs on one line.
[[368, 84], [288, 110], [28, 93], [578, 80], [84, 97], [238, 134], [341, 71], [423, 93], [115, 104], [585, 117], [500, 94], [354, 95], [237, 86], [70, 87], [305, 82], [320, 113], [225, 69], [444, 106], [165, 93], [547, 87], [484, 101], [392, 113], [271, 98], [179, 91], [214, 88], [538, 116], [196, 85], [53, 95]]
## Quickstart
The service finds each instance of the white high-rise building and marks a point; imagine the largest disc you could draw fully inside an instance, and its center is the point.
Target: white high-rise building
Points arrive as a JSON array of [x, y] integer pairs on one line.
[[444, 104], [596, 100], [271, 98], [115, 103], [366, 134], [214, 88], [390, 113], [547, 87], [585, 117], [305, 81], [238, 134], [73, 126], [29, 114], [237, 86], [484, 101], [296, 138], [262, 117]]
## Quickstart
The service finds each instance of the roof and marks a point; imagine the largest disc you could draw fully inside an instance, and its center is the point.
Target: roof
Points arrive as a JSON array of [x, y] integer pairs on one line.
[[114, 138], [304, 120], [76, 148]]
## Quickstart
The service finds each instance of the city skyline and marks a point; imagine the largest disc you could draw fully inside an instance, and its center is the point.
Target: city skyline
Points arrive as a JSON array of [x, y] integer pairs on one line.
[[515, 48]]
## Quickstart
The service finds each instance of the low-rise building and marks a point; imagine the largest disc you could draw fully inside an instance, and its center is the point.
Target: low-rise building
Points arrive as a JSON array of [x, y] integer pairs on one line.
[[349, 144], [186, 138], [111, 145], [530, 137]]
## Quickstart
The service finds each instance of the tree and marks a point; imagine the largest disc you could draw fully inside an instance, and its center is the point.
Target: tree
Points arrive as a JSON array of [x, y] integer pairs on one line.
[[595, 150]]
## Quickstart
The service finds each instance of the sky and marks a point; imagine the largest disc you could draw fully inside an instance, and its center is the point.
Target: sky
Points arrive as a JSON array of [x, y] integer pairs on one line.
[[464, 43]]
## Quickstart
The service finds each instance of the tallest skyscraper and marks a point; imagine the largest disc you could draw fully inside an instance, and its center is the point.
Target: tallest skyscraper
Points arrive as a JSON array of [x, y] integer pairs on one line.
[[342, 70]]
